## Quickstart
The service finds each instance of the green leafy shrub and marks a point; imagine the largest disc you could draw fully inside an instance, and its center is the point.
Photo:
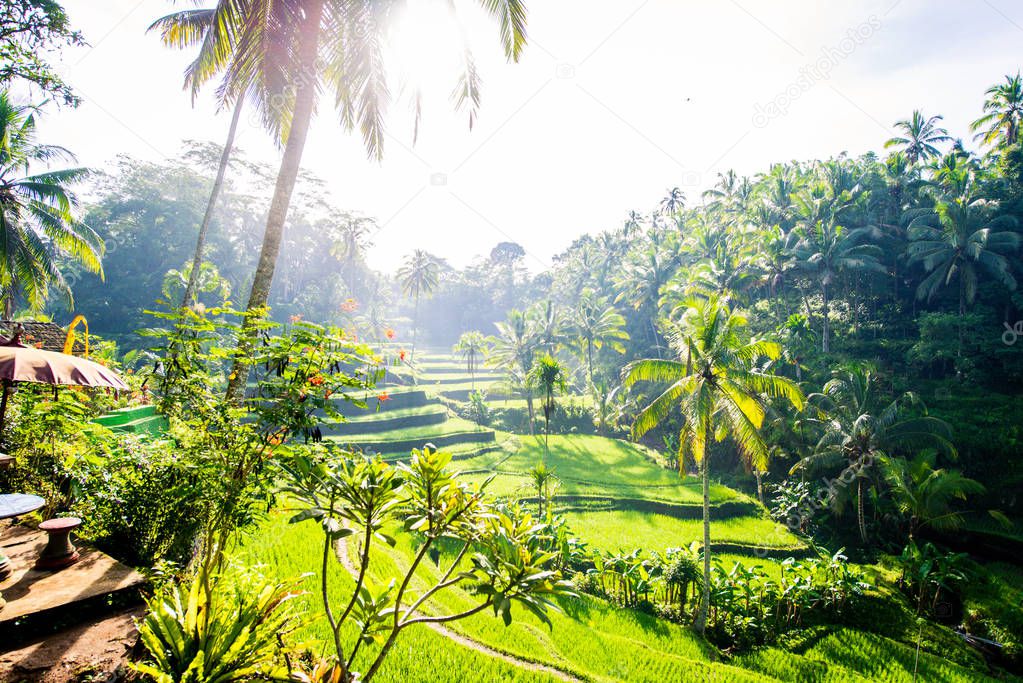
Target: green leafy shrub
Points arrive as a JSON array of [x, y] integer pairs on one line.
[[217, 630]]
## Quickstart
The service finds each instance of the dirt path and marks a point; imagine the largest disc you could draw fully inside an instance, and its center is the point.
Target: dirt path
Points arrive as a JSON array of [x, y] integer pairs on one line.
[[341, 551]]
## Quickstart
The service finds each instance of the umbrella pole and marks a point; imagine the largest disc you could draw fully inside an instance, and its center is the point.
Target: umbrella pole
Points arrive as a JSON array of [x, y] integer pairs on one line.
[[3, 405]]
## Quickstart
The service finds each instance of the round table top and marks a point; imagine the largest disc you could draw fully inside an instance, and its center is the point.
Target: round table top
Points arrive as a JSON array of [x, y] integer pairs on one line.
[[14, 504]]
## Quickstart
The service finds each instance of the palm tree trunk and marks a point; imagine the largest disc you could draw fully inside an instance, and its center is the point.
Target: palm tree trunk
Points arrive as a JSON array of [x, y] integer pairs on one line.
[[859, 511], [589, 360], [826, 341], [701, 619], [962, 314], [415, 329], [218, 183], [305, 97]]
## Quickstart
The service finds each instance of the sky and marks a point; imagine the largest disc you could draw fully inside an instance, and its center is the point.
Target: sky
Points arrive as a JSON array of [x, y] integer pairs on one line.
[[613, 103]]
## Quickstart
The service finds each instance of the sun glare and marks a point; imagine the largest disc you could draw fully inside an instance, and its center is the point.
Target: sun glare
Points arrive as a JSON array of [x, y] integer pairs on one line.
[[428, 46]]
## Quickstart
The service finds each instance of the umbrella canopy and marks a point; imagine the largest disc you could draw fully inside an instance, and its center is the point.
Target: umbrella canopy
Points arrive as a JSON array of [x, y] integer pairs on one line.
[[21, 364]]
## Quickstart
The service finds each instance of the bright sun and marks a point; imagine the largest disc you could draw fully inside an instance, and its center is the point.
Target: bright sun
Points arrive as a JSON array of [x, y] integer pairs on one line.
[[427, 47]]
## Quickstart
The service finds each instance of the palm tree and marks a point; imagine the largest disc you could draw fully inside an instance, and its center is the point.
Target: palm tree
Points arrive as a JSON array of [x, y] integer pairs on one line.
[[38, 225], [597, 324], [858, 430], [645, 271], [827, 248], [919, 138], [549, 377], [717, 389], [280, 54], [188, 28], [472, 346], [673, 202], [1003, 111], [418, 276], [926, 493], [351, 246], [546, 322], [957, 239], [513, 349]]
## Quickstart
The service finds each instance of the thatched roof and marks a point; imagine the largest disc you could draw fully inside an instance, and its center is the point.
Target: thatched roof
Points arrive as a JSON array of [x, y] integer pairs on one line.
[[46, 336]]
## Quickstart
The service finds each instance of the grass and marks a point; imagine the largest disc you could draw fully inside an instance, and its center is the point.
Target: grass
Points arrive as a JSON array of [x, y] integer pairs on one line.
[[420, 654], [452, 425], [589, 638], [429, 409], [882, 659], [595, 465], [629, 529]]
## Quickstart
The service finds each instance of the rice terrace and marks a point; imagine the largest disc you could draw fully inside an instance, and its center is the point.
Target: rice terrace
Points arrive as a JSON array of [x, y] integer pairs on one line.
[[380, 352]]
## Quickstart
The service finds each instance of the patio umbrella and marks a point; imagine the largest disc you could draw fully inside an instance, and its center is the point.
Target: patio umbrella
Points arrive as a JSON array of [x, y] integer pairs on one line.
[[19, 363]]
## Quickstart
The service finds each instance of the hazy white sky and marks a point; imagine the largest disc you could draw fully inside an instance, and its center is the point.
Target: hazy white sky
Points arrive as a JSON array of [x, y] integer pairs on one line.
[[614, 102]]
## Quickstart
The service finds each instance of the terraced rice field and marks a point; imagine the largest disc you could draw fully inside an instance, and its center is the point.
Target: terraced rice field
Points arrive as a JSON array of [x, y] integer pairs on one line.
[[615, 496]]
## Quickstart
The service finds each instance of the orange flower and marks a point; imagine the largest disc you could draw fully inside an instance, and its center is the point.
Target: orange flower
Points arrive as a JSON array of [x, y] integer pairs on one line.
[[38, 345], [401, 355], [295, 318], [275, 440], [389, 333], [349, 305], [383, 396], [316, 380]]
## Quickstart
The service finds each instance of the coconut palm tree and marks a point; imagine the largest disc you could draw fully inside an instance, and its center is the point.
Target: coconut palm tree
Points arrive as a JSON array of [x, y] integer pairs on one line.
[[280, 54], [920, 135], [549, 377], [715, 385], [597, 324], [1003, 111], [184, 29], [351, 246], [546, 322], [418, 276], [513, 350], [673, 202], [827, 248], [955, 242], [926, 494], [472, 347], [858, 429], [38, 222]]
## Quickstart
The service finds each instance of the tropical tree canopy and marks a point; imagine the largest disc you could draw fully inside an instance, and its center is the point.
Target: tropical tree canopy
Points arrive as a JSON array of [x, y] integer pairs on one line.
[[39, 225]]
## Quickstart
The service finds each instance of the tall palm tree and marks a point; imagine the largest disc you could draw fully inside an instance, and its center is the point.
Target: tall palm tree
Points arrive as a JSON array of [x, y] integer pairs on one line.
[[597, 324], [549, 377], [826, 247], [920, 135], [673, 202], [279, 54], [183, 29], [546, 322], [858, 429], [472, 347], [38, 222], [418, 276], [717, 388], [1003, 112], [955, 241], [639, 281], [513, 349], [351, 247]]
